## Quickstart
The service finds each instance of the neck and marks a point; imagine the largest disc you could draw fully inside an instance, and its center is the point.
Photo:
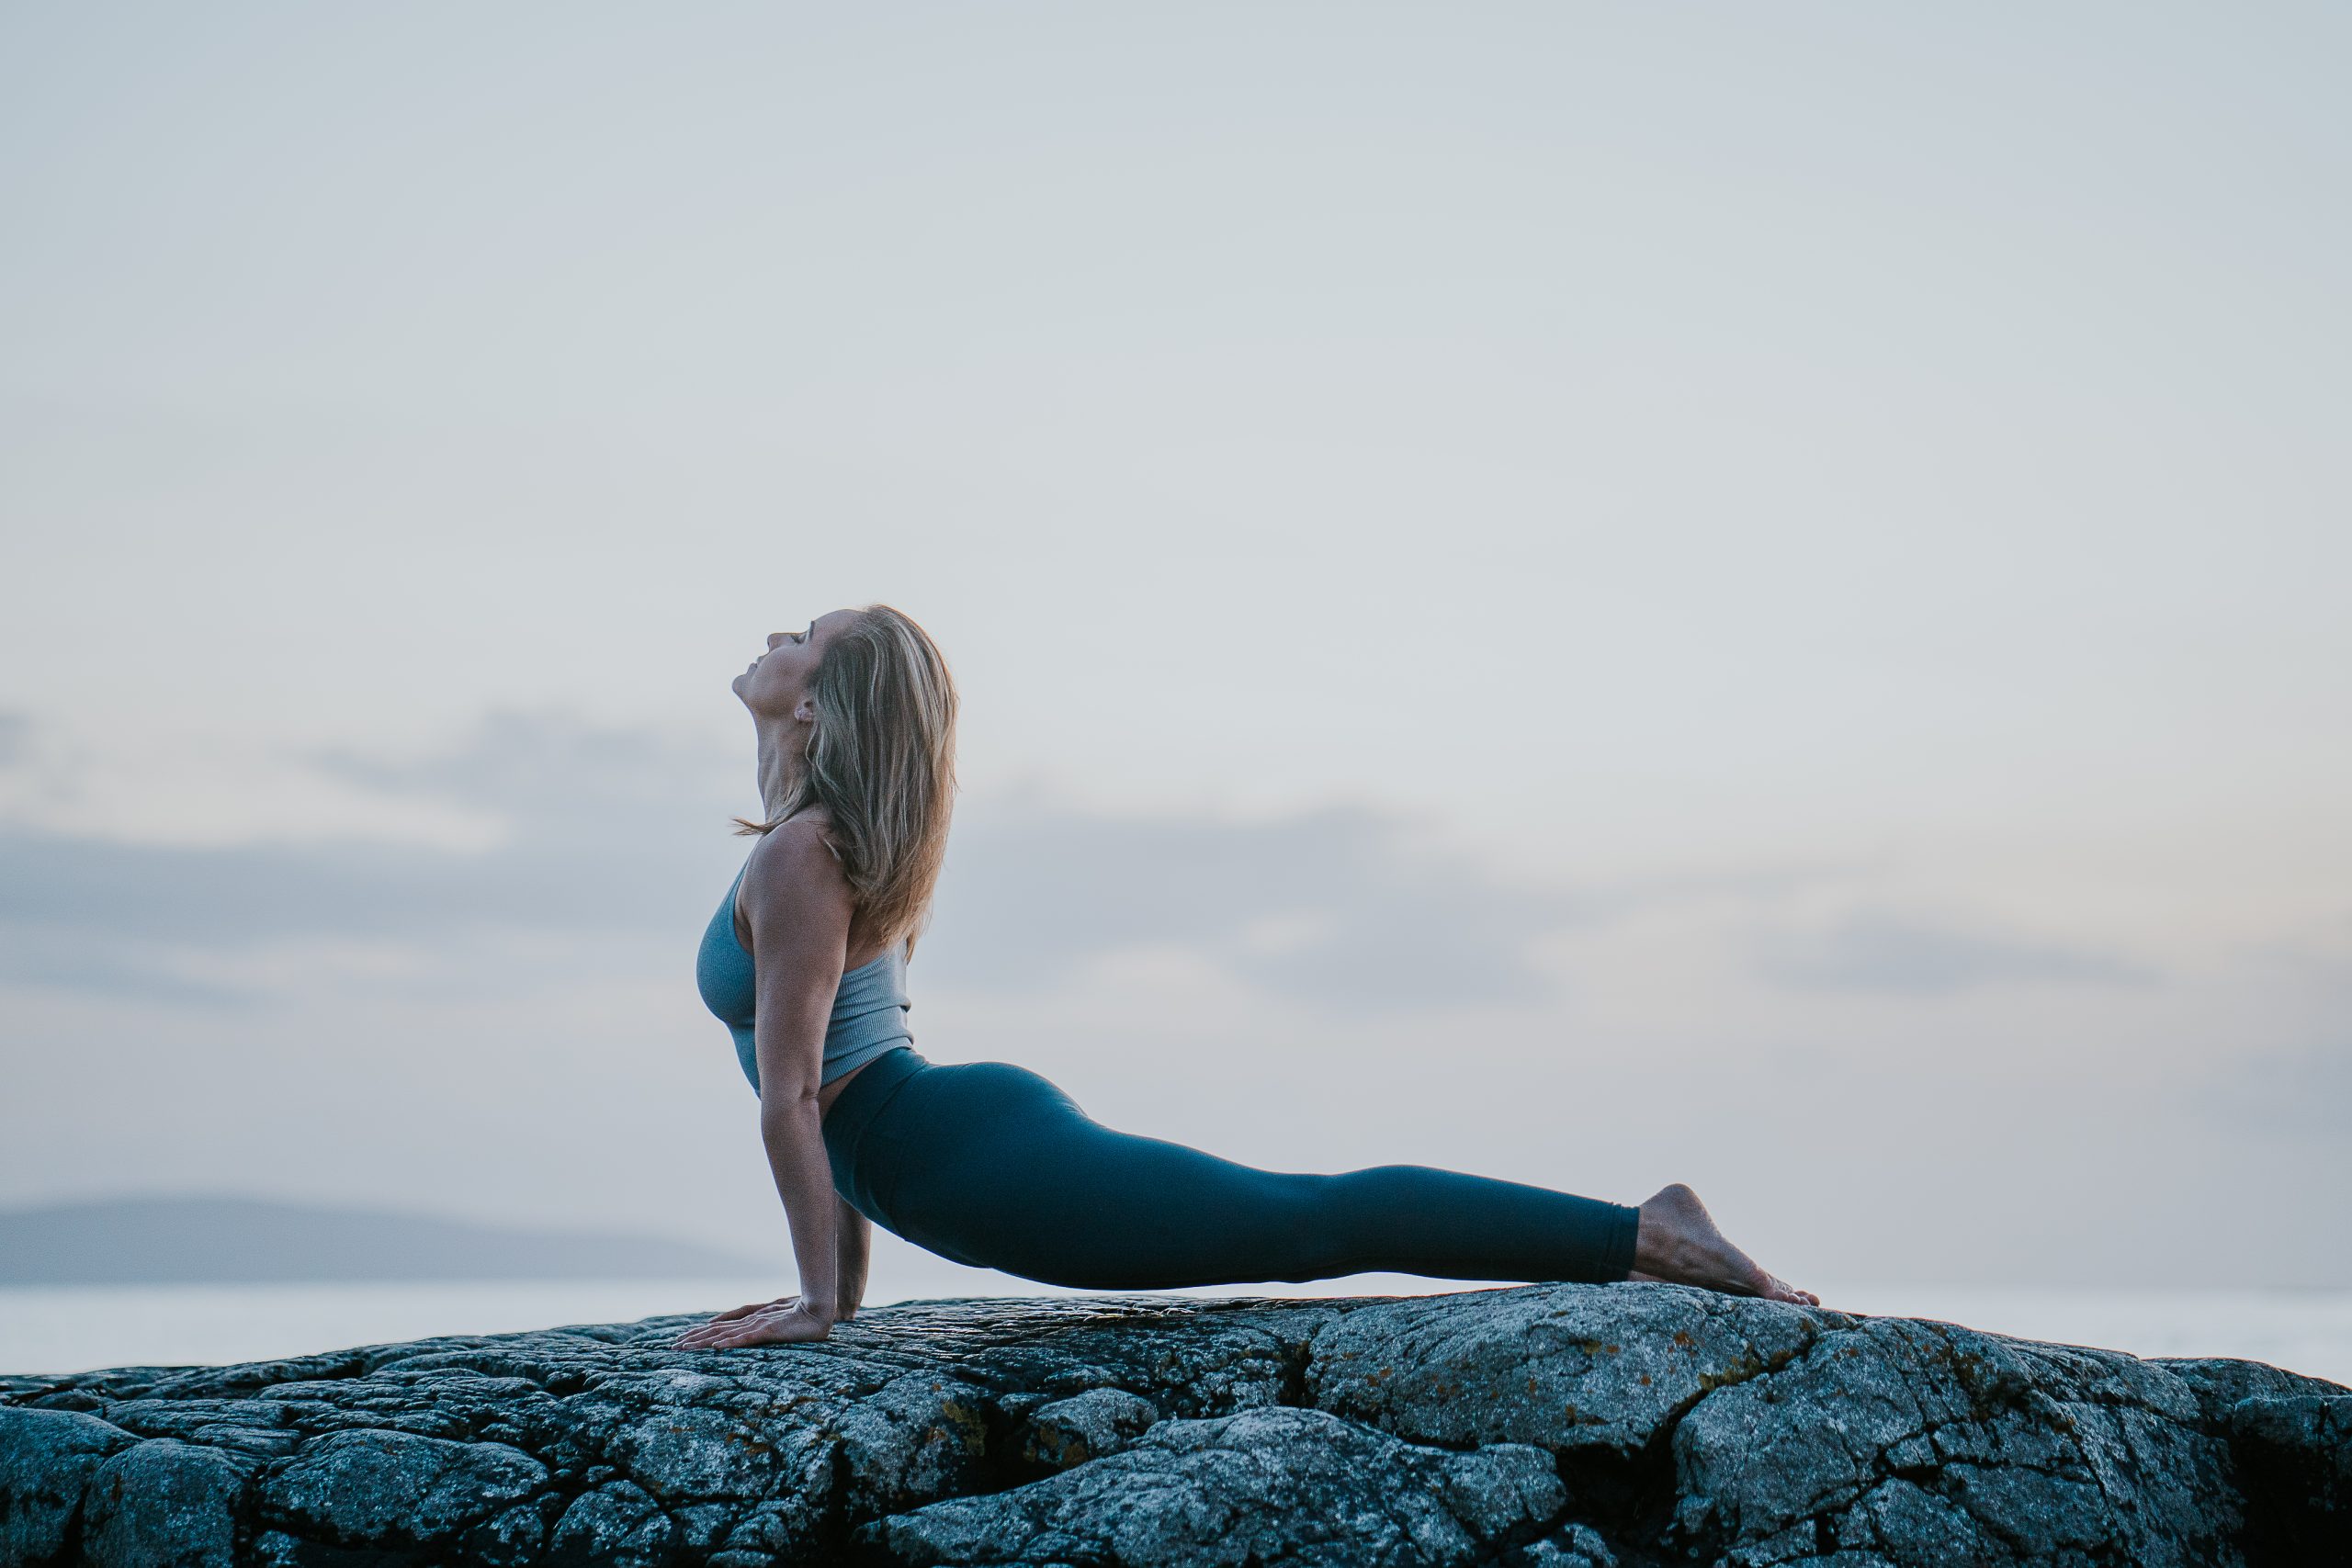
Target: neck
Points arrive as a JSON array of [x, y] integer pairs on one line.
[[779, 767]]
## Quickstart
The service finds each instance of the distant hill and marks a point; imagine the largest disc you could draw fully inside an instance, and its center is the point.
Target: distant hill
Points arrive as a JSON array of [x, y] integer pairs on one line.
[[126, 1241]]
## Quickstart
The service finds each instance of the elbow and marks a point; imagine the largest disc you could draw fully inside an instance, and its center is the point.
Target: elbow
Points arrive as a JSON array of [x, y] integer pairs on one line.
[[789, 1110]]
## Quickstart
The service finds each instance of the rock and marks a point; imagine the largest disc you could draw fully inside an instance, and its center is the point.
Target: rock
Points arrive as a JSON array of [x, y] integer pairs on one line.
[[618, 1524], [1271, 1485], [1598, 1370], [1551, 1427], [166, 1503], [1093, 1425], [2290, 1443], [47, 1457], [1576, 1546], [395, 1489]]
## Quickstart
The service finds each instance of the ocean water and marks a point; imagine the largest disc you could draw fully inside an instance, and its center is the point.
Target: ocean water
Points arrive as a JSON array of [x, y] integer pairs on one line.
[[76, 1329]]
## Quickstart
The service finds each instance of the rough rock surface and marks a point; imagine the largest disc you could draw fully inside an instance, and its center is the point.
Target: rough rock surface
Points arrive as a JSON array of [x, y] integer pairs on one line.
[[1552, 1427]]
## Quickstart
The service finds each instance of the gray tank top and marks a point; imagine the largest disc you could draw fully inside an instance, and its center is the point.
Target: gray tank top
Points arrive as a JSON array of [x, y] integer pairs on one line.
[[869, 1015]]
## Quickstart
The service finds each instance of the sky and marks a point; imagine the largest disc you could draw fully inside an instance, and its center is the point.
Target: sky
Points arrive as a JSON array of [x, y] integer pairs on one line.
[[1600, 594]]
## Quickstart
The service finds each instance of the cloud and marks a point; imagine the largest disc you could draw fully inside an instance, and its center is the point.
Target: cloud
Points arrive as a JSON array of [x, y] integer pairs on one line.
[[1880, 950], [548, 773], [1338, 906], [64, 959], [15, 739], [616, 837], [2301, 1092], [607, 831], [620, 832]]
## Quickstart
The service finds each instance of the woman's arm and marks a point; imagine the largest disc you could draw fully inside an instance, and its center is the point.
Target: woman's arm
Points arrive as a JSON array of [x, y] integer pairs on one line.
[[798, 905], [856, 1234]]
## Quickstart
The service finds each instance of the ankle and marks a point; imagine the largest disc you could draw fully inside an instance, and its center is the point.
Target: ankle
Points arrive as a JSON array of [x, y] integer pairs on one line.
[[1656, 1244]]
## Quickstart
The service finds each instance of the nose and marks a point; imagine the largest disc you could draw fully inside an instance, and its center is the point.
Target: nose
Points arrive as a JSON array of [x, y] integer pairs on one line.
[[775, 637]]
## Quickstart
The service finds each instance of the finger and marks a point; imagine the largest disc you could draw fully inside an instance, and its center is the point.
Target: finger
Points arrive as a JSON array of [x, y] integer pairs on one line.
[[753, 1330], [699, 1335], [767, 1323], [758, 1329], [749, 1308], [751, 1334]]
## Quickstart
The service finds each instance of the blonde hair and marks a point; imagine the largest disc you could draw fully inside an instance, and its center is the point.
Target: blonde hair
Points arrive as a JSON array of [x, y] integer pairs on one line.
[[881, 761]]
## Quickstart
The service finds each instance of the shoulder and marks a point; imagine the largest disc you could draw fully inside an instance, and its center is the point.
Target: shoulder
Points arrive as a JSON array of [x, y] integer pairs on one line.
[[793, 855], [801, 845], [802, 840]]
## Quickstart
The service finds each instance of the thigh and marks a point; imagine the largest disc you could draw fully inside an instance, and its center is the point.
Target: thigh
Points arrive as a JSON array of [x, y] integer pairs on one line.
[[1024, 1180]]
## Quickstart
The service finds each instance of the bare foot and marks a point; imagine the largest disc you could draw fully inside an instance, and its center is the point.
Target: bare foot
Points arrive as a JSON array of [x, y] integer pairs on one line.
[[1678, 1244]]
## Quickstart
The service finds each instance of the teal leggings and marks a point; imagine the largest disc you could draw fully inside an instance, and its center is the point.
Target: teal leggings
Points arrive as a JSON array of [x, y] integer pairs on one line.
[[990, 1165]]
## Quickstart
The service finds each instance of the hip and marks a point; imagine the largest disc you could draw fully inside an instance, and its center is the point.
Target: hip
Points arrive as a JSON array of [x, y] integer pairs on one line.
[[900, 1113]]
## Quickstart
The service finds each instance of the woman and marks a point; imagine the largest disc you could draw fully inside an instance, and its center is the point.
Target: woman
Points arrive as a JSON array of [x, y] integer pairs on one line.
[[989, 1164]]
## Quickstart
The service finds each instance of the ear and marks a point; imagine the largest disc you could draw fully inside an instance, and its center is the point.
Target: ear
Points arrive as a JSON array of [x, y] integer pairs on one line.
[[805, 710]]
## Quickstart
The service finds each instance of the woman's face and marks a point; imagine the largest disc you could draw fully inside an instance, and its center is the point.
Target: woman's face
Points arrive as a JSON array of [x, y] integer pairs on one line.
[[773, 685]]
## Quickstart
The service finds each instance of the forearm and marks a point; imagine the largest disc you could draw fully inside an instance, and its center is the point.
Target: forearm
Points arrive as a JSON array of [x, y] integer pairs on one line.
[[856, 1243], [794, 1134]]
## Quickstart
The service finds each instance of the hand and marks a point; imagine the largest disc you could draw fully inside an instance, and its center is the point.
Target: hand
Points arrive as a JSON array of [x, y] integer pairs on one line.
[[787, 1320]]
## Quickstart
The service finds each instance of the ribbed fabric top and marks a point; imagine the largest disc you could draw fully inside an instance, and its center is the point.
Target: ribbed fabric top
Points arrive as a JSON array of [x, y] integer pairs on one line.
[[869, 1010]]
